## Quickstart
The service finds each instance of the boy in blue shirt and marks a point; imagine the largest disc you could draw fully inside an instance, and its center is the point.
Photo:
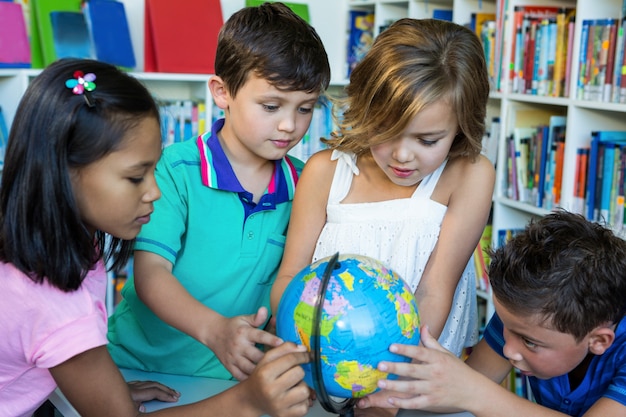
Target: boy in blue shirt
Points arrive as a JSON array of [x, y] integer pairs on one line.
[[559, 291], [205, 263]]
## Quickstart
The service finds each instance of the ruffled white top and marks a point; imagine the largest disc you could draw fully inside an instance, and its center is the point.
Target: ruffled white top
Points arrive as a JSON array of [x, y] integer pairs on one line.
[[402, 234]]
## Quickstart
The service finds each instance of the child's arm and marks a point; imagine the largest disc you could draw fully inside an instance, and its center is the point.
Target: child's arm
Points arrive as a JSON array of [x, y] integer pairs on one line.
[[233, 340], [308, 216], [466, 188], [94, 386]]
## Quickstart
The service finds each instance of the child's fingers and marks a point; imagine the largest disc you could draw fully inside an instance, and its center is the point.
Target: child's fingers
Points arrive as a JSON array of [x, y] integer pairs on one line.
[[151, 390], [284, 349], [429, 341]]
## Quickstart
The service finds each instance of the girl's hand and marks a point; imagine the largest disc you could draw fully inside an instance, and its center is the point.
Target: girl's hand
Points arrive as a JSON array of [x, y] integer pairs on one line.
[[142, 391], [236, 340]]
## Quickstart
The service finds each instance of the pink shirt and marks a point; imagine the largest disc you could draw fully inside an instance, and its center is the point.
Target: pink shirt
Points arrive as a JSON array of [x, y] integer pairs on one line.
[[41, 327]]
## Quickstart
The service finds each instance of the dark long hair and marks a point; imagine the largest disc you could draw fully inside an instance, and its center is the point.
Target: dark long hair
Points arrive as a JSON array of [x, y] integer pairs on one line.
[[54, 131]]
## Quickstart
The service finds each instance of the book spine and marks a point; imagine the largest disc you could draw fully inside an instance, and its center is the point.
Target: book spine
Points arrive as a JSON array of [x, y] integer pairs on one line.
[[610, 61], [569, 56], [582, 58], [617, 64], [560, 54]]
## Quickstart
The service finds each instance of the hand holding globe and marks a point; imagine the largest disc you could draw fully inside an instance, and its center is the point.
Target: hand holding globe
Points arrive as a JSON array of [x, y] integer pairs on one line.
[[347, 310]]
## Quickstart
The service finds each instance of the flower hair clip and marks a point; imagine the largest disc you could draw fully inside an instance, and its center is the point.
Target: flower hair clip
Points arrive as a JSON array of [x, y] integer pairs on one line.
[[83, 84]]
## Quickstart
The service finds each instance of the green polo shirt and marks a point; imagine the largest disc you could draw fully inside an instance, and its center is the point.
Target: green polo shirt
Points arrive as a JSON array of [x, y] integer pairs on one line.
[[225, 251]]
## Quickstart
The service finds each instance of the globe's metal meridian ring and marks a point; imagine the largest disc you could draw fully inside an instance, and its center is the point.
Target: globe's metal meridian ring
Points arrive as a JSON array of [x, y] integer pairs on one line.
[[345, 408]]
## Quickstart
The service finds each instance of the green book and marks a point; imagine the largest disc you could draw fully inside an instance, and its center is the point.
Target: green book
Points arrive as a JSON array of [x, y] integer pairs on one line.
[[301, 10], [41, 36]]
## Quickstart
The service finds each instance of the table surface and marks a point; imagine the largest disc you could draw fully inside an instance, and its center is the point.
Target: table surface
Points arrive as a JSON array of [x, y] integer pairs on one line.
[[193, 389]]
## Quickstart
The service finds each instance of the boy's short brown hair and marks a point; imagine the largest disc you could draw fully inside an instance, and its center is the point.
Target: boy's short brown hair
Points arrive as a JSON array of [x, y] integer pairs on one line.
[[274, 43]]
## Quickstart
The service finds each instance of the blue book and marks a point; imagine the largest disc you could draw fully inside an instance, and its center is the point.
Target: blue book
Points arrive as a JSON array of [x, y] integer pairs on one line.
[[582, 58], [70, 35], [109, 32], [442, 14], [361, 37], [607, 180], [4, 137], [595, 170]]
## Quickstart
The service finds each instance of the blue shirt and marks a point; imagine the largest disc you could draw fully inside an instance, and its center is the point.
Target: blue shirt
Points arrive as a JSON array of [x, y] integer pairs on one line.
[[605, 377], [224, 249]]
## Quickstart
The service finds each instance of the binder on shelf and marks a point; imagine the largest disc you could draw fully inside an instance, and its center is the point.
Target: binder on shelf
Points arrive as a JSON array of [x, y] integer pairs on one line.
[[70, 35], [14, 46], [300, 9], [109, 32], [181, 38], [595, 170], [360, 37], [42, 40], [442, 14]]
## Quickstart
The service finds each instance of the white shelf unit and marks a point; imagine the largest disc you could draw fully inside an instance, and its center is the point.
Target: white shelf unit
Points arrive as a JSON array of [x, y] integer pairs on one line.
[[13, 84]]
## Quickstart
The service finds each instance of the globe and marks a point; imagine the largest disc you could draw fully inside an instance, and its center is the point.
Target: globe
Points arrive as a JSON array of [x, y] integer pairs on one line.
[[348, 309]]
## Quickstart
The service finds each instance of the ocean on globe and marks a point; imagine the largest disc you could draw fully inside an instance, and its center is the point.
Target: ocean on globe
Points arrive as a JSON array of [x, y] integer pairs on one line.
[[366, 308]]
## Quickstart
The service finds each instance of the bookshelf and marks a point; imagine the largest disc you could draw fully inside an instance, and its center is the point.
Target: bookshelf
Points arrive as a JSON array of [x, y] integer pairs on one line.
[[583, 117]]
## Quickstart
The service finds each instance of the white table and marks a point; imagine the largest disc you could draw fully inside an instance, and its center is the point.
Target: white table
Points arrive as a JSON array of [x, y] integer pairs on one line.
[[193, 389]]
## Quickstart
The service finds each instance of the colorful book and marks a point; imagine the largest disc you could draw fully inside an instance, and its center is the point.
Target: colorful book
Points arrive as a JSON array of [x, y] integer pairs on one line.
[[522, 137], [617, 64], [558, 166], [360, 37], [570, 48], [595, 170], [582, 58], [173, 31], [43, 50], [15, 50], [70, 35], [580, 180], [607, 86], [560, 54], [556, 123], [111, 45]]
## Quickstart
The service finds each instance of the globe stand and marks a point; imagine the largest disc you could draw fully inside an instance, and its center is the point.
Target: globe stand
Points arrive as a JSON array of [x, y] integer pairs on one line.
[[344, 408]]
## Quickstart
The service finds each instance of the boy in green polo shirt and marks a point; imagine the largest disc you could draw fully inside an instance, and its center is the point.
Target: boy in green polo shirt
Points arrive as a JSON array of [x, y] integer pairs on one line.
[[205, 263]]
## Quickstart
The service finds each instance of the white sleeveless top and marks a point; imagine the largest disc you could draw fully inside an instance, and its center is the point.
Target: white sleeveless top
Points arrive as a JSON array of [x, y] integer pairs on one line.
[[401, 233]]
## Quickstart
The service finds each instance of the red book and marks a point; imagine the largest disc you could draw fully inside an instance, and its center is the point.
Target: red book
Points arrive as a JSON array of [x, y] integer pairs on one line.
[[181, 37]]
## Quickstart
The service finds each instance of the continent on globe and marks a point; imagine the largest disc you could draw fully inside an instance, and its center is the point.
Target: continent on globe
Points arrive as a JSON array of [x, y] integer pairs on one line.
[[366, 307]]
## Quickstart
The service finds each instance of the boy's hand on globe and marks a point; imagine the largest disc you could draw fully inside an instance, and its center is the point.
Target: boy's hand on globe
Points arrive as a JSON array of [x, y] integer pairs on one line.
[[236, 339], [435, 380]]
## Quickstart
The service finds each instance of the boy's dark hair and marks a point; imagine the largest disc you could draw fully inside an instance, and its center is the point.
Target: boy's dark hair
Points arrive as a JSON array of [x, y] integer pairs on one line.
[[55, 131], [567, 269], [274, 43]]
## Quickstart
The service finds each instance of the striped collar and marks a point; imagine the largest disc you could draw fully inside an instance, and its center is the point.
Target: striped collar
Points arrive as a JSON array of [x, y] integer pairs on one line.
[[218, 173]]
